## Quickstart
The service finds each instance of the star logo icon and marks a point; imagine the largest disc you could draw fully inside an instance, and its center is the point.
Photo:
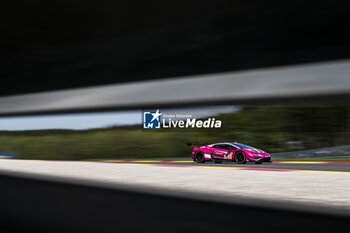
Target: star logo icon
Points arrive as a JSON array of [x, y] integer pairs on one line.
[[151, 119], [156, 115]]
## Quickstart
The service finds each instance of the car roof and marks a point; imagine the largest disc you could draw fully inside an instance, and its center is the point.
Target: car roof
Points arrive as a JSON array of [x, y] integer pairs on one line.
[[230, 143]]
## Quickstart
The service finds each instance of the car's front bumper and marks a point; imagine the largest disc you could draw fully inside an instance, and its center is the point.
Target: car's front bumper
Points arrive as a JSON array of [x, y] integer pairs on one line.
[[260, 159]]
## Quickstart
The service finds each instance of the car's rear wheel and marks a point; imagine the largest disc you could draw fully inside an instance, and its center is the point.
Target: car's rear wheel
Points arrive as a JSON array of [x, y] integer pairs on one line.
[[199, 157], [240, 157]]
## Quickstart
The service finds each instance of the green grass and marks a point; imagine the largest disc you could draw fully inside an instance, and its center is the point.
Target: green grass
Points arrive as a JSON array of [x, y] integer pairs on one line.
[[264, 127]]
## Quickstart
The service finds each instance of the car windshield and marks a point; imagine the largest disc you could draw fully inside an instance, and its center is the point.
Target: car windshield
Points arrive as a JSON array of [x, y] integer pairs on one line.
[[242, 146]]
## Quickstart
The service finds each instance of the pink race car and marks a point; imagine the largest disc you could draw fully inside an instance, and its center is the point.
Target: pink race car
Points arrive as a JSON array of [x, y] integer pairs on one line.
[[229, 151]]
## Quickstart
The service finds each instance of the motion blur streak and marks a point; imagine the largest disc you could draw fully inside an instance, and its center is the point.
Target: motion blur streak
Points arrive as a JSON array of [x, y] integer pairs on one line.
[[299, 81]]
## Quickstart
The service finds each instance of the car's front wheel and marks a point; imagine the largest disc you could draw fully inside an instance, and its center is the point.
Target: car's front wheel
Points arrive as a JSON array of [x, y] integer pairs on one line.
[[240, 157], [199, 157]]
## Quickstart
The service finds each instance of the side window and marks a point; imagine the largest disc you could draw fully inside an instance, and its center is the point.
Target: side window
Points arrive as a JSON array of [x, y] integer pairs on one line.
[[225, 146]]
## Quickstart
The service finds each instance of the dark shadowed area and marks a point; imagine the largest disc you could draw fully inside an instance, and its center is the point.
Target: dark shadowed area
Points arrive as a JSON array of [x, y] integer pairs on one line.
[[65, 44]]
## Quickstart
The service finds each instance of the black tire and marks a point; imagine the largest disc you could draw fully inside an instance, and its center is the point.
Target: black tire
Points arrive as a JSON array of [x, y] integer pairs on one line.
[[199, 157], [240, 157]]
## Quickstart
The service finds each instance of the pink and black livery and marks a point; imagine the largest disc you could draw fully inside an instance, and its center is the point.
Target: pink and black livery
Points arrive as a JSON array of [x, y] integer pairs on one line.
[[228, 151]]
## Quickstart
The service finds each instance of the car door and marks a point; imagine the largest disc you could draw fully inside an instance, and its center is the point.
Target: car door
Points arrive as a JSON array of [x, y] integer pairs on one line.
[[220, 150]]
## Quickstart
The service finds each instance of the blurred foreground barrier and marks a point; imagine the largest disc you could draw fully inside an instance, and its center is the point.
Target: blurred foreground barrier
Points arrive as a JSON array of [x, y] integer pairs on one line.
[[316, 81], [41, 204]]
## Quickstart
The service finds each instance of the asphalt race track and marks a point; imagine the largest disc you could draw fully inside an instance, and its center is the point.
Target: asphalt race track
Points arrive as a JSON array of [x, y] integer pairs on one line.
[[318, 184], [288, 165]]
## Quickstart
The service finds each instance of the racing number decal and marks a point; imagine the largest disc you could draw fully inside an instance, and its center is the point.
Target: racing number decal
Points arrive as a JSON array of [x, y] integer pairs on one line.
[[228, 155]]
